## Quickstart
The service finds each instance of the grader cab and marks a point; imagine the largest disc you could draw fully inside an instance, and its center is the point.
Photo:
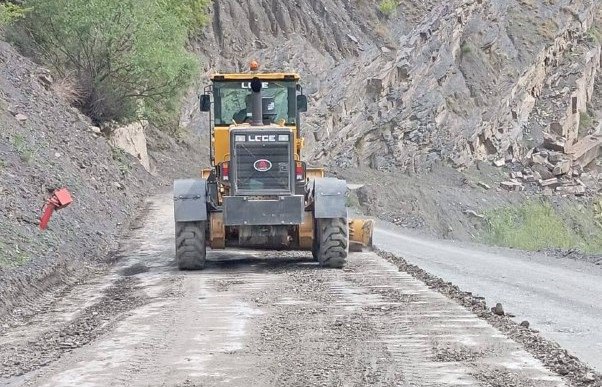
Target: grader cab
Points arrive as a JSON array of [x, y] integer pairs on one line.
[[258, 192]]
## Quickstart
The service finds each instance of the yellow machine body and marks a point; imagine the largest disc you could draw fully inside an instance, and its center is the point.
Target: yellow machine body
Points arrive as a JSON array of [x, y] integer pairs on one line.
[[360, 230]]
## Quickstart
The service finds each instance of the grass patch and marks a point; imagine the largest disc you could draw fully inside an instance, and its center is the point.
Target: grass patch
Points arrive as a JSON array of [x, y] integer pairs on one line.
[[466, 48], [16, 259], [123, 162], [536, 225], [20, 144], [585, 120], [387, 7], [595, 34]]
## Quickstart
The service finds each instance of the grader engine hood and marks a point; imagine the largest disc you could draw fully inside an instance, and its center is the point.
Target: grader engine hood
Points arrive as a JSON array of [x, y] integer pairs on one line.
[[262, 169], [262, 161]]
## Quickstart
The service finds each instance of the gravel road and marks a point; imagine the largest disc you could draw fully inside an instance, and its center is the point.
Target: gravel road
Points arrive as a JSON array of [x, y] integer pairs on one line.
[[560, 297], [257, 318]]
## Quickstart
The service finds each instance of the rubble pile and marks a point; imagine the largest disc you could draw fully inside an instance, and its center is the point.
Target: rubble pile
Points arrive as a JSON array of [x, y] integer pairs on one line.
[[557, 168]]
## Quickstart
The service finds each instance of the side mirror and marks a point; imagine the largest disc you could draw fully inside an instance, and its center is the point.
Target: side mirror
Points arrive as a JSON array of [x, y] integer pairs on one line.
[[205, 102], [301, 103]]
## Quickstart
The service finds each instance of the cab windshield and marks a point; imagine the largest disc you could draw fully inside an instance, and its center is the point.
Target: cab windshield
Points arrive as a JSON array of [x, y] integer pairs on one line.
[[233, 102]]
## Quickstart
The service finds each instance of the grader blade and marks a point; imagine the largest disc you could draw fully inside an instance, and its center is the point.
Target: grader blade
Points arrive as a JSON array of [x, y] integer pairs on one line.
[[360, 234]]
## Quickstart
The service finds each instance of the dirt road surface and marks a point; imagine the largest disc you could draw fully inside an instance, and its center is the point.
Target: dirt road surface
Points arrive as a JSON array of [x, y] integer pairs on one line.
[[558, 296], [256, 318]]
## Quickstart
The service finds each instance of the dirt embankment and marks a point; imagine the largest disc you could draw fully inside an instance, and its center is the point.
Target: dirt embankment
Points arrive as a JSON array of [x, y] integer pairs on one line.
[[46, 144]]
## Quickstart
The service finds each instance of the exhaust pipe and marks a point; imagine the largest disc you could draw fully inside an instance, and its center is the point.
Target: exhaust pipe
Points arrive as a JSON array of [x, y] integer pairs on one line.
[[256, 103]]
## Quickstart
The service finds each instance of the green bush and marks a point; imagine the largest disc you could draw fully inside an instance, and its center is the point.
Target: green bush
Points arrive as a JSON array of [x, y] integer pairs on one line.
[[535, 225], [127, 58], [387, 7], [10, 12]]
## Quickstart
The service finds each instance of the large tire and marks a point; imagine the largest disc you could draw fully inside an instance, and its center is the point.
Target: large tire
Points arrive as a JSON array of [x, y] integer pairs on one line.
[[315, 245], [333, 239], [190, 245]]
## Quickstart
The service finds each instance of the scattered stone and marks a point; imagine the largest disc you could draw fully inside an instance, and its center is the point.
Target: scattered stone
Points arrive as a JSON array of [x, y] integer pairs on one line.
[[589, 377], [512, 185], [563, 371], [553, 142], [21, 117], [549, 182], [95, 129], [563, 167], [586, 150], [499, 162], [483, 185], [539, 158], [46, 80], [576, 190], [498, 309], [474, 213], [525, 324], [555, 157], [543, 170], [118, 185]]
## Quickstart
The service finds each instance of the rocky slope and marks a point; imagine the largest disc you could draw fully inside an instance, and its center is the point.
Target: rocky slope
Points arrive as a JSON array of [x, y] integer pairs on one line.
[[436, 81], [446, 104]]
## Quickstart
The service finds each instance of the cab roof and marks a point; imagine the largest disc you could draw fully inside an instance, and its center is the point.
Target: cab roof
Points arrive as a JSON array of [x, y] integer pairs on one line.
[[261, 76]]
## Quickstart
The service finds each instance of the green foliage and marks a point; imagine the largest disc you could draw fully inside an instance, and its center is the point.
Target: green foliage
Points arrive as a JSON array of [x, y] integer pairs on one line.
[[12, 257], [20, 144], [192, 12], [128, 58], [598, 210], [387, 7], [595, 34], [535, 225], [10, 12], [123, 162], [466, 48], [585, 120]]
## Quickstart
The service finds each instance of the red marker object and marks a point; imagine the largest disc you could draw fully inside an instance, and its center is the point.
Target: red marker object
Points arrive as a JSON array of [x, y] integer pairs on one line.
[[60, 198]]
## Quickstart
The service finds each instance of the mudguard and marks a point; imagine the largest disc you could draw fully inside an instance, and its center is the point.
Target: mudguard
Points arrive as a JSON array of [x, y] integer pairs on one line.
[[190, 200], [330, 198]]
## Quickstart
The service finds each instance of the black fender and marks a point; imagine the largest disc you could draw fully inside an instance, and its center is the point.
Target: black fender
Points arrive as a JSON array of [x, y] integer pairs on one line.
[[190, 200], [329, 197]]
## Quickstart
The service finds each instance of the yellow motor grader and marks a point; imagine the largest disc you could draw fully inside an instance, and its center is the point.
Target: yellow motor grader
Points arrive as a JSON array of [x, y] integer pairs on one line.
[[259, 193]]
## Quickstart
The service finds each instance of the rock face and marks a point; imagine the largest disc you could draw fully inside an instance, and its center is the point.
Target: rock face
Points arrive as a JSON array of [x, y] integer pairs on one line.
[[131, 139], [453, 81]]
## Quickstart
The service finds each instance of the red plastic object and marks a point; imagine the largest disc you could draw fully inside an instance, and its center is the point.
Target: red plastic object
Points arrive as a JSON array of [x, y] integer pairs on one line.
[[60, 198]]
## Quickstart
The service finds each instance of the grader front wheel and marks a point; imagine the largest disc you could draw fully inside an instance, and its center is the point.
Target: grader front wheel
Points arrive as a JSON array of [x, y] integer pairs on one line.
[[190, 245], [333, 242]]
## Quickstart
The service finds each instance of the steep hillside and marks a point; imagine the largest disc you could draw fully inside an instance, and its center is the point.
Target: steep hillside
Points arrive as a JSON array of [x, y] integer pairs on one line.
[[46, 144], [454, 82], [469, 89]]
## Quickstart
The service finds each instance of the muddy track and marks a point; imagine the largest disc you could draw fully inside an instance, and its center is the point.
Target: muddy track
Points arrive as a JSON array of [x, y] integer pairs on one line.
[[256, 318]]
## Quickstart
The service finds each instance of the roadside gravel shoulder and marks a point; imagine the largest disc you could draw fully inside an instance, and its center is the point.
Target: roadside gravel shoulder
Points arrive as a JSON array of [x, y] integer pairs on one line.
[[548, 352]]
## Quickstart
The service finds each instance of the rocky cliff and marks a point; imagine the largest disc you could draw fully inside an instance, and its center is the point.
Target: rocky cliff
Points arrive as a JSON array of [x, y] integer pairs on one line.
[[434, 82]]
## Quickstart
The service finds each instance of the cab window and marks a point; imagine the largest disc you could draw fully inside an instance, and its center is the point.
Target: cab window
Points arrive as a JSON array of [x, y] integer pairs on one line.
[[233, 102]]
